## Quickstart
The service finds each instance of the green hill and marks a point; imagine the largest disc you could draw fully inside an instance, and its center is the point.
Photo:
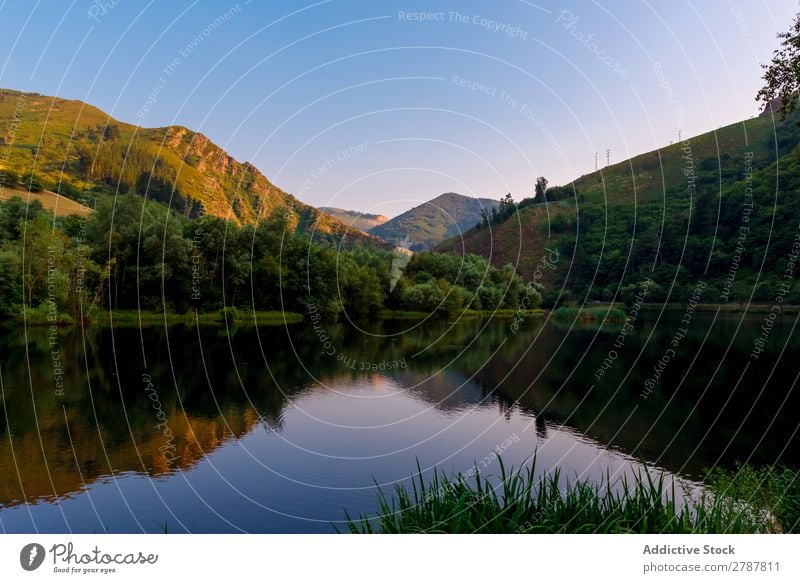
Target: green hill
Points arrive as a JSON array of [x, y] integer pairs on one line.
[[82, 153], [720, 208], [425, 225], [717, 156]]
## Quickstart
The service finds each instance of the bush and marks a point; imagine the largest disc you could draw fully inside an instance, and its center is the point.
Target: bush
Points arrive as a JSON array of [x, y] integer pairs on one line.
[[8, 179], [229, 314], [33, 183], [68, 190]]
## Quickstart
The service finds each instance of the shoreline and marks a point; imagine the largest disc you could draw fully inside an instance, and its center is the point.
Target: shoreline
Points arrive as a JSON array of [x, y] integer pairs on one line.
[[127, 318], [237, 317], [120, 318]]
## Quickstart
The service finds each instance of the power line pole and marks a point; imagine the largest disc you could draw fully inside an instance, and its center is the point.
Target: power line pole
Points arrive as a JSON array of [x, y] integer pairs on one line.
[[679, 135], [608, 157], [595, 161]]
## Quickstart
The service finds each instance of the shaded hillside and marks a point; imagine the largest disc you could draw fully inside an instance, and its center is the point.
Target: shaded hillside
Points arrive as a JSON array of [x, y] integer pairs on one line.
[[81, 152], [425, 225], [519, 241], [719, 210], [355, 219]]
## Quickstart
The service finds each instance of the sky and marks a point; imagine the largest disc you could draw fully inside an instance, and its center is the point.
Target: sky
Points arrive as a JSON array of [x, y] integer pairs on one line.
[[380, 106]]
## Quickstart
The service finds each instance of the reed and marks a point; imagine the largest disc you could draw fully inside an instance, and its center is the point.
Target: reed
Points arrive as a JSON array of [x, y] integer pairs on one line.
[[519, 502]]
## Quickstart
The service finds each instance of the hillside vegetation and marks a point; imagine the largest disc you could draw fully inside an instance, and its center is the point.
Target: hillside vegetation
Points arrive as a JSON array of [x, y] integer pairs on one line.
[[716, 214], [135, 255]]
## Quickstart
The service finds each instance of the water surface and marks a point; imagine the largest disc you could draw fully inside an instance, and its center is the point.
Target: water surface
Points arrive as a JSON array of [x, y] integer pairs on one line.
[[278, 429]]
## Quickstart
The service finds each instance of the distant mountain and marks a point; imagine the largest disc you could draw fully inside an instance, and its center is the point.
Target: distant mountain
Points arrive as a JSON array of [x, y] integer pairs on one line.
[[356, 219], [425, 225], [81, 152]]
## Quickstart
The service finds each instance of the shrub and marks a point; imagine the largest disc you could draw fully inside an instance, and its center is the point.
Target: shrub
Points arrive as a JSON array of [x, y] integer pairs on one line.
[[34, 183], [229, 314]]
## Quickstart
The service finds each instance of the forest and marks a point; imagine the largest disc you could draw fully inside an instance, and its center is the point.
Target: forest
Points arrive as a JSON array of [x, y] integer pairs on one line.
[[136, 254]]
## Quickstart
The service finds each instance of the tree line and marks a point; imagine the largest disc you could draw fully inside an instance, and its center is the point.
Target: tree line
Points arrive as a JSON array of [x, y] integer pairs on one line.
[[137, 254]]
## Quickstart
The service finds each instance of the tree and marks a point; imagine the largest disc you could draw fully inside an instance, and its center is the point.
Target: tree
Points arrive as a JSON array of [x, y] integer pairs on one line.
[[540, 189], [506, 204], [503, 210], [110, 132], [425, 297], [782, 75], [13, 213], [42, 248], [34, 183], [360, 290], [8, 179], [11, 292]]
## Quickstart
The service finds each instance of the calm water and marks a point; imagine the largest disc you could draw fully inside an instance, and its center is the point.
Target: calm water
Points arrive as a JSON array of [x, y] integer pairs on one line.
[[278, 429]]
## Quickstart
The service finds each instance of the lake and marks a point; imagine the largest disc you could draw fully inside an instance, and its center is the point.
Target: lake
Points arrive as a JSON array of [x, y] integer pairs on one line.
[[279, 429]]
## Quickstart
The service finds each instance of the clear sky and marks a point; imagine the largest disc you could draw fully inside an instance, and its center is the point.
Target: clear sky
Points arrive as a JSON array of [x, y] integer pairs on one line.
[[369, 106]]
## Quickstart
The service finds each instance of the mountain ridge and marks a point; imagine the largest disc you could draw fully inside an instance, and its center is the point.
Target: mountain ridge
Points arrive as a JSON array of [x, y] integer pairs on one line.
[[427, 224], [357, 219], [79, 151]]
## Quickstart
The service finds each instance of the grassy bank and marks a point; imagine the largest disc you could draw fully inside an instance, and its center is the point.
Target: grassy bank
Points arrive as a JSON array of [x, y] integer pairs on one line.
[[733, 307], [42, 317], [504, 313], [39, 317], [519, 502]]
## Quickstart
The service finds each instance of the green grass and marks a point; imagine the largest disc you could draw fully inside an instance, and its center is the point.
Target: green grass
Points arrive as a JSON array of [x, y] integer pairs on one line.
[[776, 490], [40, 317], [729, 307], [519, 502], [231, 315], [504, 313]]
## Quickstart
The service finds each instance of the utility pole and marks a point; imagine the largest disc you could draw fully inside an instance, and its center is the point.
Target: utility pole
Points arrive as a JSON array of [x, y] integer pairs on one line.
[[679, 135], [595, 161], [608, 157]]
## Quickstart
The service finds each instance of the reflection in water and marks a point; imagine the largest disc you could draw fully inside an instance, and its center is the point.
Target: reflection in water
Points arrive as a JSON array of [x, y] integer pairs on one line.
[[268, 430]]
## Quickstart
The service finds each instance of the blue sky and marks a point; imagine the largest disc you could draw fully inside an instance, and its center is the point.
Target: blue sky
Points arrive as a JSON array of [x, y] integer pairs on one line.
[[374, 107]]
